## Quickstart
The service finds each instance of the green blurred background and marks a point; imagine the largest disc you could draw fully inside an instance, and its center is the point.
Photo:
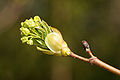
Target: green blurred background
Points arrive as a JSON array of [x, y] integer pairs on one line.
[[97, 21]]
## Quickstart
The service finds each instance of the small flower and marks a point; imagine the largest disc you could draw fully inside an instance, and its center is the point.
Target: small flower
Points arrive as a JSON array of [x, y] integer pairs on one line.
[[30, 23], [47, 39], [37, 19], [25, 31], [30, 42], [24, 39]]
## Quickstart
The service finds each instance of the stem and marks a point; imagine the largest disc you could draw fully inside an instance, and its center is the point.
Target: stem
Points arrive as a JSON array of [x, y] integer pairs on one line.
[[107, 67], [94, 60], [79, 57]]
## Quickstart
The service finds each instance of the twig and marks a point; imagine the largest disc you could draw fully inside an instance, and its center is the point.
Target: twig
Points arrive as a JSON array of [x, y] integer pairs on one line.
[[94, 60], [79, 57]]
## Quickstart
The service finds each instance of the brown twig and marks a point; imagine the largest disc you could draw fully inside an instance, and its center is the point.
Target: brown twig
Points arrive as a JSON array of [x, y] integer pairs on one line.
[[94, 60]]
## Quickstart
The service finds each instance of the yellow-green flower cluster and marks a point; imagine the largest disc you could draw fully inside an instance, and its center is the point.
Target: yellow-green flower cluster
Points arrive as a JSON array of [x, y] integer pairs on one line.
[[47, 39], [34, 31]]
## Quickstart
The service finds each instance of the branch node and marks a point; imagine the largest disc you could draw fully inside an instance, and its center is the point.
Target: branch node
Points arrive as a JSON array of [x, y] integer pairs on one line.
[[92, 60]]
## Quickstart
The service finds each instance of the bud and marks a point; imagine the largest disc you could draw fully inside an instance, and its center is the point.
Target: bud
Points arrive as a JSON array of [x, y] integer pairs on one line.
[[24, 39], [30, 42], [53, 42], [37, 19], [46, 38], [25, 31], [30, 23], [56, 44]]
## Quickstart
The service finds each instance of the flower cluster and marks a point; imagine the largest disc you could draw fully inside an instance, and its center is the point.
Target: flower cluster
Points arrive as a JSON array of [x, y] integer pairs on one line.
[[34, 31], [46, 38]]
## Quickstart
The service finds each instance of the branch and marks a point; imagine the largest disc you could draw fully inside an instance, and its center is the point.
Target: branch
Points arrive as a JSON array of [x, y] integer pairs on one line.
[[94, 60], [49, 41]]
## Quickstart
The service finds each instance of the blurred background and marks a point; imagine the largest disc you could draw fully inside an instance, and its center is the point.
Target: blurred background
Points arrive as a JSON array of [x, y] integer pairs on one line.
[[97, 21]]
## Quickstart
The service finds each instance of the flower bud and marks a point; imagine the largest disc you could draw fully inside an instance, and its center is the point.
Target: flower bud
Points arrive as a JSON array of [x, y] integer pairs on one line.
[[46, 38], [24, 39], [30, 42], [37, 19], [53, 42], [56, 44], [30, 23], [25, 31]]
